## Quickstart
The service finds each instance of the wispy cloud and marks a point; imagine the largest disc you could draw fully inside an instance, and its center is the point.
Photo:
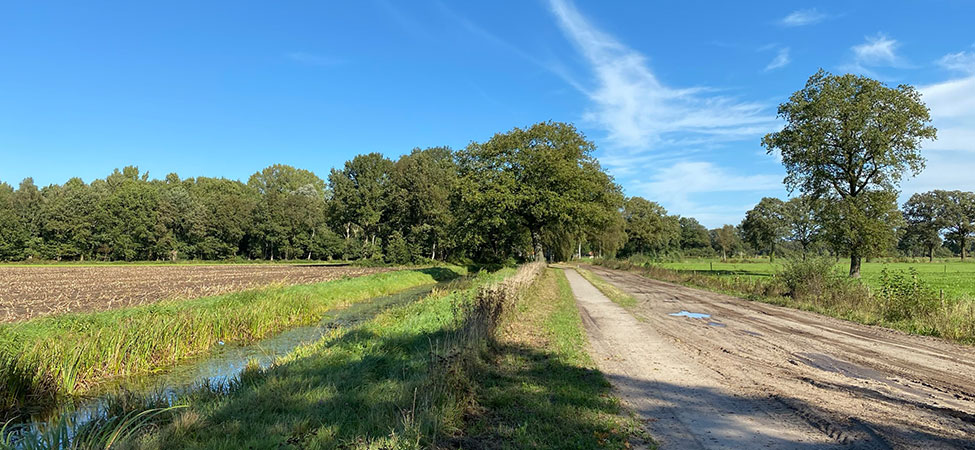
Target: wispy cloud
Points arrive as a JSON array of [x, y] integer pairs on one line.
[[802, 17], [952, 105], [312, 59], [676, 186], [962, 61], [636, 109], [781, 60], [877, 50]]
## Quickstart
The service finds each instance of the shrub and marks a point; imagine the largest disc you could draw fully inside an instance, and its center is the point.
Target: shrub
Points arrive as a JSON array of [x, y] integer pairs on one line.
[[807, 277], [904, 296]]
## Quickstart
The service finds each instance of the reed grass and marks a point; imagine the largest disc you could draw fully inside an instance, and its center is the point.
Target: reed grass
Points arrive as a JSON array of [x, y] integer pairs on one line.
[[52, 356]]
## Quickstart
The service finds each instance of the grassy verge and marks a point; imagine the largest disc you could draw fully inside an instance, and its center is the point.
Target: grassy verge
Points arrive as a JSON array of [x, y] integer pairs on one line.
[[387, 383], [901, 302], [537, 386], [502, 364], [614, 293], [46, 357]]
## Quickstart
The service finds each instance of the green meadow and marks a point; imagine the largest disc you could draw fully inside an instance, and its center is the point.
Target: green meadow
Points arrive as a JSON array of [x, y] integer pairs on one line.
[[956, 278]]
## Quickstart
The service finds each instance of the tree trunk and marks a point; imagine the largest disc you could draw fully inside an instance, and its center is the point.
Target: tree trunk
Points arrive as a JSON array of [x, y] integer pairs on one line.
[[433, 251], [963, 243], [771, 255], [930, 253], [855, 263], [537, 245]]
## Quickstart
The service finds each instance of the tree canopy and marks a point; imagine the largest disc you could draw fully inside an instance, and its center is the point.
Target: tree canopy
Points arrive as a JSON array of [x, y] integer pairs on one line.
[[852, 138]]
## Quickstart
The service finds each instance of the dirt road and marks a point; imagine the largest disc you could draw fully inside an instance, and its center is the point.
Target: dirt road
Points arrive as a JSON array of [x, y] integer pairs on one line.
[[754, 375]]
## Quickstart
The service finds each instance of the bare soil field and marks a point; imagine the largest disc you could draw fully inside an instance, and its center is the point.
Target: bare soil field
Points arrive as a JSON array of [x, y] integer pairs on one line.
[[28, 292], [753, 375]]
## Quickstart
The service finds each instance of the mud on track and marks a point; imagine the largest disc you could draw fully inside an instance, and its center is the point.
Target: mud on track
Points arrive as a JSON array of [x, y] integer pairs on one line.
[[755, 375], [27, 292]]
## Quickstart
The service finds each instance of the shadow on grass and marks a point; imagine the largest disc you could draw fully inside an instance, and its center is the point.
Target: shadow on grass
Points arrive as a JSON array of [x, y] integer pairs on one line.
[[440, 274], [367, 387], [725, 273]]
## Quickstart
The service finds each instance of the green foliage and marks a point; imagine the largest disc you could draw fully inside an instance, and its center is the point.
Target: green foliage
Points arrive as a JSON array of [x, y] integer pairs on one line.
[[863, 225], [535, 185], [849, 137], [922, 213], [693, 235], [904, 295], [649, 229], [359, 195], [726, 240], [955, 215], [765, 224], [397, 250]]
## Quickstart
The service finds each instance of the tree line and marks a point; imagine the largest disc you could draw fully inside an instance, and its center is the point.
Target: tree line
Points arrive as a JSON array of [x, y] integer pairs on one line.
[[530, 192], [929, 223], [519, 195]]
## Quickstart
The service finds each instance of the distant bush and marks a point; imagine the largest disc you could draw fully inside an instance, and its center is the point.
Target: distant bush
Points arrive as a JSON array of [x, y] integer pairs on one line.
[[904, 296], [807, 276], [814, 280]]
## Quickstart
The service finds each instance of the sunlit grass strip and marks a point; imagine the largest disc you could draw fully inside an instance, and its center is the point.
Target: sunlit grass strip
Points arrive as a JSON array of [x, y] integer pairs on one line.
[[614, 293], [375, 385], [69, 353]]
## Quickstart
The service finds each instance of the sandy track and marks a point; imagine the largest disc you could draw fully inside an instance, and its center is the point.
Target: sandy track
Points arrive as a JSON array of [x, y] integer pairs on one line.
[[759, 376]]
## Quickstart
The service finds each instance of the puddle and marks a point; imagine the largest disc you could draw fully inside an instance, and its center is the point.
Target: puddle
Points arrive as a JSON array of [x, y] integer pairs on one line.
[[716, 324], [692, 315], [751, 333]]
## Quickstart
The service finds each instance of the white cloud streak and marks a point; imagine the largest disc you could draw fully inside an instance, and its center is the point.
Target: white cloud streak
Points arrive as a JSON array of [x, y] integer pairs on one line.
[[961, 62], [952, 105], [636, 109], [781, 60], [878, 50], [802, 17], [675, 187]]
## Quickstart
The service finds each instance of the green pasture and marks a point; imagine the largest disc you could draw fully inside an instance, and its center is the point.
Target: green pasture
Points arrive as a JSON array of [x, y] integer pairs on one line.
[[956, 278]]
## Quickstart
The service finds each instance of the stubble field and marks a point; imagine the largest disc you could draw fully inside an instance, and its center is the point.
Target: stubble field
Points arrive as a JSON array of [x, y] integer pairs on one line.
[[33, 291]]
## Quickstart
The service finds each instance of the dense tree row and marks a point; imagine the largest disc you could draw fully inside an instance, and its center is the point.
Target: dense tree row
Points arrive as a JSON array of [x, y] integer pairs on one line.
[[519, 194]]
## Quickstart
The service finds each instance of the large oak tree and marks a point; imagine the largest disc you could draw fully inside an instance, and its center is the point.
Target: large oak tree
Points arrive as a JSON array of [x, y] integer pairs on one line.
[[850, 137]]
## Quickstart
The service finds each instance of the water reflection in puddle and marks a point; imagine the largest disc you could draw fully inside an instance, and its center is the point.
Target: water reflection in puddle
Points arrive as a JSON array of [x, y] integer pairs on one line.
[[692, 315], [716, 324]]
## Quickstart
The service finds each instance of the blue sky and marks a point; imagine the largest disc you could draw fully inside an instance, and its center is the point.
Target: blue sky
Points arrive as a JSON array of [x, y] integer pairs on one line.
[[676, 95]]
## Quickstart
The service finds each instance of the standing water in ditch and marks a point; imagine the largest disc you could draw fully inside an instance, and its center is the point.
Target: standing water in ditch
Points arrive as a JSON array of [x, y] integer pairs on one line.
[[220, 368]]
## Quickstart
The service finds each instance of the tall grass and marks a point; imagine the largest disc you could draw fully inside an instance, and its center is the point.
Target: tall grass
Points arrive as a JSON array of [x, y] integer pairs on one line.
[[380, 384], [47, 357], [431, 374]]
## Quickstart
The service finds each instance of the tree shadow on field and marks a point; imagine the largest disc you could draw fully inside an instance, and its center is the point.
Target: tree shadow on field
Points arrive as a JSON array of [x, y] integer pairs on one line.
[[440, 274], [727, 272]]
